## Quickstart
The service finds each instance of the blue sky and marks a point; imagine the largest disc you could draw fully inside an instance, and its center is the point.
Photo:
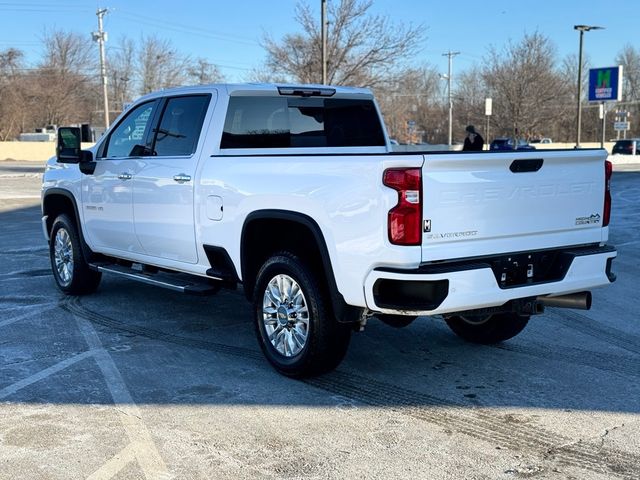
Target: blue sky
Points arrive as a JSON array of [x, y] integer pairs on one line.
[[229, 33]]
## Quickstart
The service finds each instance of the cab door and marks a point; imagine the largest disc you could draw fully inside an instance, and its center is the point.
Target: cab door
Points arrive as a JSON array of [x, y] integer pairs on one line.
[[107, 194], [163, 187]]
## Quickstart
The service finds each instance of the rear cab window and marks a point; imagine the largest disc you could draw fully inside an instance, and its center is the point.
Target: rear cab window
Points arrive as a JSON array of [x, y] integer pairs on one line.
[[300, 122]]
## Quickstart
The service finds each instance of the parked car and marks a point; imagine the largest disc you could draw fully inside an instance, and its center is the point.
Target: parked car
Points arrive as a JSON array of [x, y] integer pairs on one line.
[[507, 144], [627, 147], [541, 140]]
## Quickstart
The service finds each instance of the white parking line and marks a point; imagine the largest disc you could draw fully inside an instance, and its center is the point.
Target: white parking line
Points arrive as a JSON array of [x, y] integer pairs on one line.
[[18, 251], [24, 316], [13, 196], [117, 463], [20, 175], [142, 443], [47, 372]]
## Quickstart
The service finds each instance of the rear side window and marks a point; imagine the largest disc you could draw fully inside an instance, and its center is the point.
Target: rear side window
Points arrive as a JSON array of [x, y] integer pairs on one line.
[[277, 122], [180, 126]]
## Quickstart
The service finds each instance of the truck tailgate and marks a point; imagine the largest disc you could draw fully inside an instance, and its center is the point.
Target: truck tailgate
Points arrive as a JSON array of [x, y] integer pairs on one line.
[[490, 203]]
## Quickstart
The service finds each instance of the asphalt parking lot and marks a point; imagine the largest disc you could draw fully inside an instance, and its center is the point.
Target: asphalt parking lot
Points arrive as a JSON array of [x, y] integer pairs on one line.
[[135, 382]]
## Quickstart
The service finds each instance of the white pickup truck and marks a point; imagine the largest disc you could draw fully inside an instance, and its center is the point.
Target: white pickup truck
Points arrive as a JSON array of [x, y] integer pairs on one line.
[[295, 192]]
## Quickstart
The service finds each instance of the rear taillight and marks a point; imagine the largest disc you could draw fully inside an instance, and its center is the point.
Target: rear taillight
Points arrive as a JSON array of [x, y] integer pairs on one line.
[[405, 219], [606, 215]]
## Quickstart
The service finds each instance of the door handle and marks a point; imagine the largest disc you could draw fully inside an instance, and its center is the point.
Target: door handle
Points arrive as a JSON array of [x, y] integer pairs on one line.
[[125, 176], [182, 177]]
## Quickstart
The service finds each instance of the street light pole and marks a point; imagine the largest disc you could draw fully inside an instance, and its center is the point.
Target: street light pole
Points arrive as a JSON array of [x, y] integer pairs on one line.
[[323, 34], [450, 54], [581, 29]]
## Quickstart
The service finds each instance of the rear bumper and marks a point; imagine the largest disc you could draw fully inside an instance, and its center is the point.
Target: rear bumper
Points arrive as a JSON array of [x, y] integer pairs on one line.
[[471, 285]]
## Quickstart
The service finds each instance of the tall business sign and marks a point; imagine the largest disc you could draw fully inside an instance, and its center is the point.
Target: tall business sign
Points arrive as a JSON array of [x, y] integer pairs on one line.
[[605, 85]]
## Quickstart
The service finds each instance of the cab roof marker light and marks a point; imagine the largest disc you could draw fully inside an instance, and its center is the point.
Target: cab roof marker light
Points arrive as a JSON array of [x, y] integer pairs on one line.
[[307, 91]]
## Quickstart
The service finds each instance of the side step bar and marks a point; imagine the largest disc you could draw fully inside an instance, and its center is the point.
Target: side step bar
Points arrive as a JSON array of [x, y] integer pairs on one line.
[[177, 282]]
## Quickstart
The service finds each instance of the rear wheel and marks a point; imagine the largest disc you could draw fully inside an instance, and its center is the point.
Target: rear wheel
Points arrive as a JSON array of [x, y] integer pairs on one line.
[[70, 270], [487, 329], [295, 329]]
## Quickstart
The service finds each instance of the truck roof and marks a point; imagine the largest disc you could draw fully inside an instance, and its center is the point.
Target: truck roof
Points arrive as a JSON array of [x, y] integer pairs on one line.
[[255, 88]]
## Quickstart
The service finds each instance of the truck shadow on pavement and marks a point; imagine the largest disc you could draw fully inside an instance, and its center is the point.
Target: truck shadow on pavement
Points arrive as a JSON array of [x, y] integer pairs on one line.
[[134, 344], [171, 348]]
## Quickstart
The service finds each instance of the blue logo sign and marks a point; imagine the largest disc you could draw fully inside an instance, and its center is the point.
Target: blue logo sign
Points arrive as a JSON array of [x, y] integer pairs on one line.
[[605, 84]]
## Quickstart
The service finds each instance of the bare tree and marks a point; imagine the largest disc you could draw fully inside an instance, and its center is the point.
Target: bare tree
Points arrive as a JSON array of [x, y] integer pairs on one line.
[[562, 120], [160, 65], [121, 69], [67, 52], [362, 49], [201, 72], [524, 84], [154, 64], [469, 96], [409, 102], [11, 111], [629, 58], [10, 62], [65, 84]]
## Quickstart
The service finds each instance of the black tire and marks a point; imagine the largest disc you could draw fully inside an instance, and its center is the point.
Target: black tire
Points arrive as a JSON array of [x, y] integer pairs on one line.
[[79, 279], [396, 321], [492, 329], [325, 340]]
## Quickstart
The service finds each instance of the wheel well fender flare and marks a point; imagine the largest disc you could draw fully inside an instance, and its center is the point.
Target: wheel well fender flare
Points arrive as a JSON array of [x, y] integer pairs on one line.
[[61, 192], [342, 311]]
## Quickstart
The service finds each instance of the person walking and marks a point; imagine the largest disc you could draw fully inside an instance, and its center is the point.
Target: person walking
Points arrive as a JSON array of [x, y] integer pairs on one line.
[[474, 141]]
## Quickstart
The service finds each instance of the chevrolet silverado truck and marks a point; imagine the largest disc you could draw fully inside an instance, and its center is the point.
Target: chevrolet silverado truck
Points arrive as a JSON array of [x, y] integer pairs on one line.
[[295, 193]]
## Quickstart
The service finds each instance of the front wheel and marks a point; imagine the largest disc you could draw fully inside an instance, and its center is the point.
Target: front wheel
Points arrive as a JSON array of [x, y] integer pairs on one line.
[[488, 329], [70, 270], [295, 329]]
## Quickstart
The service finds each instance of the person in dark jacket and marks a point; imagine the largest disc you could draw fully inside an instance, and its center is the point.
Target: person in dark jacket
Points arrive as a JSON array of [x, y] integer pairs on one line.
[[474, 141]]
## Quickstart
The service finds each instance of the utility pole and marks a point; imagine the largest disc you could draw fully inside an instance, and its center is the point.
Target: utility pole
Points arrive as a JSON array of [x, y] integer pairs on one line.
[[323, 29], [450, 54], [101, 36]]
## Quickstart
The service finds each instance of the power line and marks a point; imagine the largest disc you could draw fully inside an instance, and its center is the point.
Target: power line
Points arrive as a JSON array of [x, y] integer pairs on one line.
[[29, 44], [43, 10], [247, 67], [42, 4], [181, 28]]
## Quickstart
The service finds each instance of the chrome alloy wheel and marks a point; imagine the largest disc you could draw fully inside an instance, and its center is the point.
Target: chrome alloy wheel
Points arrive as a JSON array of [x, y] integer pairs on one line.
[[285, 315], [63, 256]]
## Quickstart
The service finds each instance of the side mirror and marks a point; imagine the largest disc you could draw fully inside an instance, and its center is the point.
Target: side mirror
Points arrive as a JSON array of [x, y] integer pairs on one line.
[[68, 149]]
